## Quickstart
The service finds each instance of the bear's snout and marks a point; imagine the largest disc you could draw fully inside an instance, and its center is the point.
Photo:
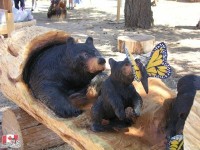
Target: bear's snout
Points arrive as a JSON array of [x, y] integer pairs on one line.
[[95, 64], [101, 61]]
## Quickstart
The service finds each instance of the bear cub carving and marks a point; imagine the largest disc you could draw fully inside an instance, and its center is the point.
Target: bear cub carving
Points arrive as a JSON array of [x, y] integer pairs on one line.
[[117, 93], [63, 70]]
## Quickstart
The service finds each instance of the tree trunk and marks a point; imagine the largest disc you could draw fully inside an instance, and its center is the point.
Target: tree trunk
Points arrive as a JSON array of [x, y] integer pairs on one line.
[[138, 14], [198, 25]]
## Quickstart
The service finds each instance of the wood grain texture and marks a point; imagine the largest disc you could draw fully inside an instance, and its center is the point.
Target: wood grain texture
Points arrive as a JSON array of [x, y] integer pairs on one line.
[[19, 25], [136, 44], [32, 134], [192, 127]]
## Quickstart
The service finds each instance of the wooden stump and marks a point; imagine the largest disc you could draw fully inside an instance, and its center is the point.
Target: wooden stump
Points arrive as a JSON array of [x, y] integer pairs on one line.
[[136, 44], [32, 134]]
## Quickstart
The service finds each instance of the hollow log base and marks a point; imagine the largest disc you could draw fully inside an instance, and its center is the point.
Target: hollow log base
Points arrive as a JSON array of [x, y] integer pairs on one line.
[[32, 134], [15, 52]]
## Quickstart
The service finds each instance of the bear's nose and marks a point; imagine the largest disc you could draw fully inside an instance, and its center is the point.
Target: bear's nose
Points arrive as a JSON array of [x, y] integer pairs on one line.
[[101, 61]]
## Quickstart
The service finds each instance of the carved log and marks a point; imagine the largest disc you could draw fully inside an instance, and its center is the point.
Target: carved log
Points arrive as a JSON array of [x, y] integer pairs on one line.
[[146, 132], [136, 44], [32, 134], [192, 128], [19, 25]]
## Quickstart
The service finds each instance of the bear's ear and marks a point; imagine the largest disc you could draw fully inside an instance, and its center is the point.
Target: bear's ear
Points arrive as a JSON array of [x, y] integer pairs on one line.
[[111, 62], [89, 41], [126, 59], [70, 41]]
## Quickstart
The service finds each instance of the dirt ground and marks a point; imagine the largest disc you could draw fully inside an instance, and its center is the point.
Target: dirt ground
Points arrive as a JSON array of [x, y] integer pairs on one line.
[[174, 23]]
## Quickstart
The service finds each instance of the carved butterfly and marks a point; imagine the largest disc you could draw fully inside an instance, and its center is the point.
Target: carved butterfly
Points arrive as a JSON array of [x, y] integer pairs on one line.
[[176, 143], [157, 65]]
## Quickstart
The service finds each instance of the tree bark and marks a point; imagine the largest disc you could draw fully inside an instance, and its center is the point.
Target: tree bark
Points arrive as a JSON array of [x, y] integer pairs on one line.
[[198, 25], [138, 14]]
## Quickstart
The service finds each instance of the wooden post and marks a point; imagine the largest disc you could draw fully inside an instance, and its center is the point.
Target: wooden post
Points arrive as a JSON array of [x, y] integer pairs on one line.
[[136, 44], [32, 134], [118, 10], [10, 23], [7, 6]]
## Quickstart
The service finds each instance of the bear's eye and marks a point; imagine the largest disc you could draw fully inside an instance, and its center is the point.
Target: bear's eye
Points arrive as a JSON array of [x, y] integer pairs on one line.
[[127, 64], [85, 55]]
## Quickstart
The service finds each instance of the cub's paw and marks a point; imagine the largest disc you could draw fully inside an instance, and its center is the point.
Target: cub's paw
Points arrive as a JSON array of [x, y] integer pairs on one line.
[[70, 112], [121, 123]]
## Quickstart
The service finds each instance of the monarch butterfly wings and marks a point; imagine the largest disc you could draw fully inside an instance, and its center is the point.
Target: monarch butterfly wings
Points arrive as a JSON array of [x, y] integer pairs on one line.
[[157, 65], [176, 143]]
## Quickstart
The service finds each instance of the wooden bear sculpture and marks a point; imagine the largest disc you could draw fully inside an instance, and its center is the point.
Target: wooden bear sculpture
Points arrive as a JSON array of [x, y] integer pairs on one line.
[[146, 133], [117, 94], [29, 73], [60, 71]]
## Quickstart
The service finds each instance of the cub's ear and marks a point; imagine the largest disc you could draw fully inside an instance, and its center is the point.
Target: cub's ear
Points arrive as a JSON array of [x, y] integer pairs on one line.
[[111, 62], [70, 40], [126, 59], [89, 41]]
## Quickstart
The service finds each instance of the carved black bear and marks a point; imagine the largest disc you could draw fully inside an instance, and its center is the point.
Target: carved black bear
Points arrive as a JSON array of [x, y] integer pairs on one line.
[[63, 70], [180, 107], [117, 94]]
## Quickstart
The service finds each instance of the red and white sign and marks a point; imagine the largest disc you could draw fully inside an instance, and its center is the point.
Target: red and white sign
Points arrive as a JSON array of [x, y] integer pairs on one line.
[[10, 138]]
